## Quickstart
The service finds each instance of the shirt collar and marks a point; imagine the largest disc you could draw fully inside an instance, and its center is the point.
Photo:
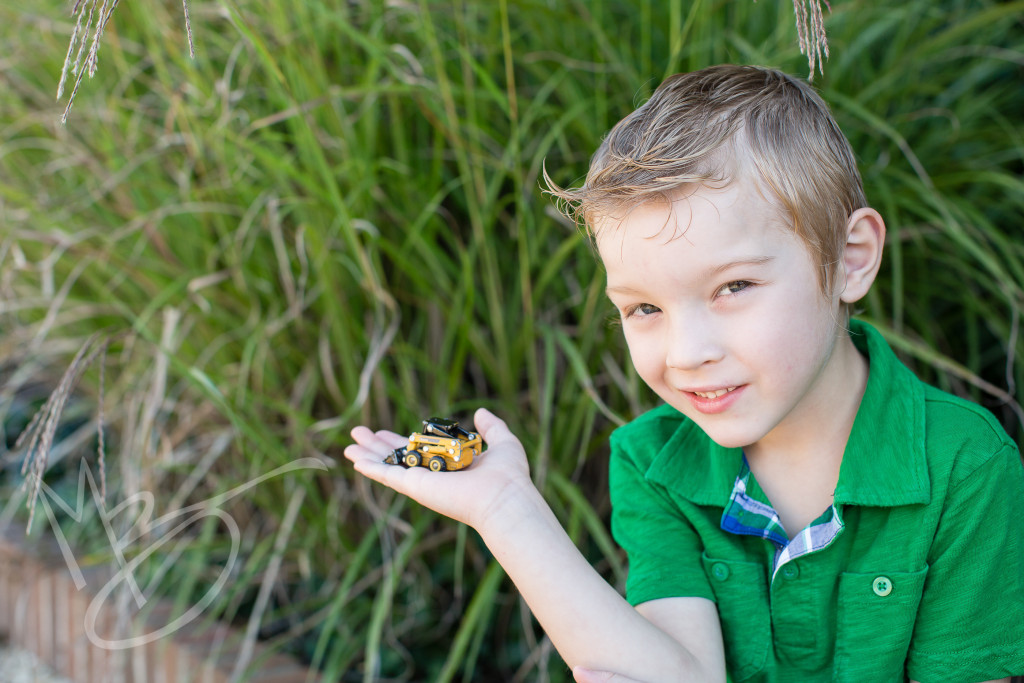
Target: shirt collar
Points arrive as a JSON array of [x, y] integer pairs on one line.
[[705, 475], [884, 463]]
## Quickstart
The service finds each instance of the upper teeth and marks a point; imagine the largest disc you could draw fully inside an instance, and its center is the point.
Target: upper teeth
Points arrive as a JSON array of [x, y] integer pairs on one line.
[[714, 394]]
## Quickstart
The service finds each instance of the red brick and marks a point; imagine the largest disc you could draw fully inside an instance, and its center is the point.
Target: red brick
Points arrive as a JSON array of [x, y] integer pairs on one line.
[[45, 613], [40, 607]]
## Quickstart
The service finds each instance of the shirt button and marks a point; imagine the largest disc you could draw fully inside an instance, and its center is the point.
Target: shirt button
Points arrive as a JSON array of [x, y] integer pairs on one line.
[[790, 571], [720, 571], [882, 586]]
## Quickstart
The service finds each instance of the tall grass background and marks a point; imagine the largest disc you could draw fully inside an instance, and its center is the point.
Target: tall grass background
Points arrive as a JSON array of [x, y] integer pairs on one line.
[[332, 216]]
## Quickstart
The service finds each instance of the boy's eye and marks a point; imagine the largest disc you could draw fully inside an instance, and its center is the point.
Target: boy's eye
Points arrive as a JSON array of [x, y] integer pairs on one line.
[[640, 310], [733, 287]]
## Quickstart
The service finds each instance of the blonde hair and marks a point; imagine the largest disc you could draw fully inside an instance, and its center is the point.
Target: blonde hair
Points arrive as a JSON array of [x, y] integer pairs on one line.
[[695, 124]]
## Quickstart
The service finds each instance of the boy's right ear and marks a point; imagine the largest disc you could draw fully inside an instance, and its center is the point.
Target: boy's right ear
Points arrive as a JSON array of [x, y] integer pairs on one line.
[[862, 255]]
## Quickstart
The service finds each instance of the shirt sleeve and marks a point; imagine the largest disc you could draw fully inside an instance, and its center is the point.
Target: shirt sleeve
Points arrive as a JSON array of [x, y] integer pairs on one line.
[[971, 617], [662, 545]]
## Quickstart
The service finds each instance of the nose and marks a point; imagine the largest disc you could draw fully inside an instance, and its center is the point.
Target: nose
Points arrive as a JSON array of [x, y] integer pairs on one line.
[[691, 344]]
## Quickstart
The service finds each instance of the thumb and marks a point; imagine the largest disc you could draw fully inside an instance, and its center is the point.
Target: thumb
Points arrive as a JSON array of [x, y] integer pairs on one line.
[[493, 429]]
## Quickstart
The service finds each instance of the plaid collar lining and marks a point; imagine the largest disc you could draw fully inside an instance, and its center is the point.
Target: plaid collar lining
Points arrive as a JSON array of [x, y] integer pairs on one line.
[[746, 516]]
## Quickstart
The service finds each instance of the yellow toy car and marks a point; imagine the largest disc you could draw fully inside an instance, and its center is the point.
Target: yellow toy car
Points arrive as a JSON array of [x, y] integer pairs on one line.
[[442, 446]]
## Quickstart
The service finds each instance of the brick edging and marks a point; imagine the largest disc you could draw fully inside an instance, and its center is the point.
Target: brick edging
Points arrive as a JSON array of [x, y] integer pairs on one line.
[[43, 612]]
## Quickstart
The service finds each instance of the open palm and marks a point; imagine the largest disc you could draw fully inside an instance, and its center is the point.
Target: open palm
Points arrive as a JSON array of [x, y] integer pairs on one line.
[[470, 495]]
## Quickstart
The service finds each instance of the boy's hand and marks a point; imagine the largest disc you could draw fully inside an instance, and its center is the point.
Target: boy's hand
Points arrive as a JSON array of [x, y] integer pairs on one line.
[[498, 477], [587, 620]]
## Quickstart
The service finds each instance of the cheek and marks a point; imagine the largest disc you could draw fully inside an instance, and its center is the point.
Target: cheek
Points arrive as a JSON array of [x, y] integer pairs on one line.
[[647, 361], [789, 342]]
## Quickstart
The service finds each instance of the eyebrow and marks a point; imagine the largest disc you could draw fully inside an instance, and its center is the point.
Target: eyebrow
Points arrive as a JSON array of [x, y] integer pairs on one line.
[[705, 275], [721, 268], [620, 290]]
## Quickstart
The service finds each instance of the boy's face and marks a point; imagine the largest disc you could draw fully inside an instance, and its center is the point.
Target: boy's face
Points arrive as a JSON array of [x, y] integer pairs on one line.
[[723, 314]]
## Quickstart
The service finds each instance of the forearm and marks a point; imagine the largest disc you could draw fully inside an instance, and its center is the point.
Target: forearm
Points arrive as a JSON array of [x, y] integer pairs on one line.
[[590, 624]]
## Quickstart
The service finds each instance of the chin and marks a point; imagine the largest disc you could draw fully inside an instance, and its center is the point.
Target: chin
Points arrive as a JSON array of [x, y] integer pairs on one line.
[[727, 430], [729, 438], [731, 442]]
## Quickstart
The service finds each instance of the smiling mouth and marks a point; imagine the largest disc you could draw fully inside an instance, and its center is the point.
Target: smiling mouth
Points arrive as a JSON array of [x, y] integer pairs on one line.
[[714, 394]]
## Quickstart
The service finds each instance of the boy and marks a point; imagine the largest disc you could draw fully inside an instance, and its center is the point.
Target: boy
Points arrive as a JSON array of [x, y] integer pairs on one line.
[[801, 508]]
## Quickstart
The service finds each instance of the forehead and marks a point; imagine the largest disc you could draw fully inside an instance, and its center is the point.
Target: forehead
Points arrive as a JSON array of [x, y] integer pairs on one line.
[[706, 218]]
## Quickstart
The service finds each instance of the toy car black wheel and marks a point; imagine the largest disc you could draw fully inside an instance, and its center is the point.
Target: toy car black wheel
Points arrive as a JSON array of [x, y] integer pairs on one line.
[[412, 459], [437, 464]]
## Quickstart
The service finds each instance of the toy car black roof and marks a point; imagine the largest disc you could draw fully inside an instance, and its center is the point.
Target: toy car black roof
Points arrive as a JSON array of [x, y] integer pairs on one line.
[[439, 426]]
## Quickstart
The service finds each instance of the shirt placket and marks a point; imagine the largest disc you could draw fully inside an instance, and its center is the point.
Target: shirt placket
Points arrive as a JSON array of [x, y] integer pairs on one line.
[[796, 616], [748, 516]]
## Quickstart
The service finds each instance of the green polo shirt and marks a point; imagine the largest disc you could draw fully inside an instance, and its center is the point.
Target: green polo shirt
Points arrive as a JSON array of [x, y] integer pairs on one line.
[[924, 579]]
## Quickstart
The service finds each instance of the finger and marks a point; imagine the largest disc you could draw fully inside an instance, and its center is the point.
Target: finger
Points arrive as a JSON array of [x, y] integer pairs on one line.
[[356, 452], [408, 482], [368, 446], [493, 429], [373, 468], [392, 440], [367, 438], [381, 441]]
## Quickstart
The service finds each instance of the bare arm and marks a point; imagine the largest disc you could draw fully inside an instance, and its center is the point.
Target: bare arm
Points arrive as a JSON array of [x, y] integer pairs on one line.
[[589, 623]]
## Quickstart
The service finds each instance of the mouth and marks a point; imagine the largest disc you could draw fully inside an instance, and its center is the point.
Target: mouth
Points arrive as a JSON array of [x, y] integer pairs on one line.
[[712, 401], [714, 394]]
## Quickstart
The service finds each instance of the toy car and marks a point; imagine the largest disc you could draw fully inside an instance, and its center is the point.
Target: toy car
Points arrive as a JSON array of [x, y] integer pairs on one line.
[[442, 446]]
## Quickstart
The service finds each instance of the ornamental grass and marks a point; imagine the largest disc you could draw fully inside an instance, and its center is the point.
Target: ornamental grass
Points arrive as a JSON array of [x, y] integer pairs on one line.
[[332, 215]]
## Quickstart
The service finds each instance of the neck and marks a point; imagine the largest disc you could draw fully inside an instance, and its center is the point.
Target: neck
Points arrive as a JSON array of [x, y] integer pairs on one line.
[[821, 428], [798, 468]]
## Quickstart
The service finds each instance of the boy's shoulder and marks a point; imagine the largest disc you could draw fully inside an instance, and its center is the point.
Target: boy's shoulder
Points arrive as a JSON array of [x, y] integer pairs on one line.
[[963, 434], [954, 435], [974, 420]]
